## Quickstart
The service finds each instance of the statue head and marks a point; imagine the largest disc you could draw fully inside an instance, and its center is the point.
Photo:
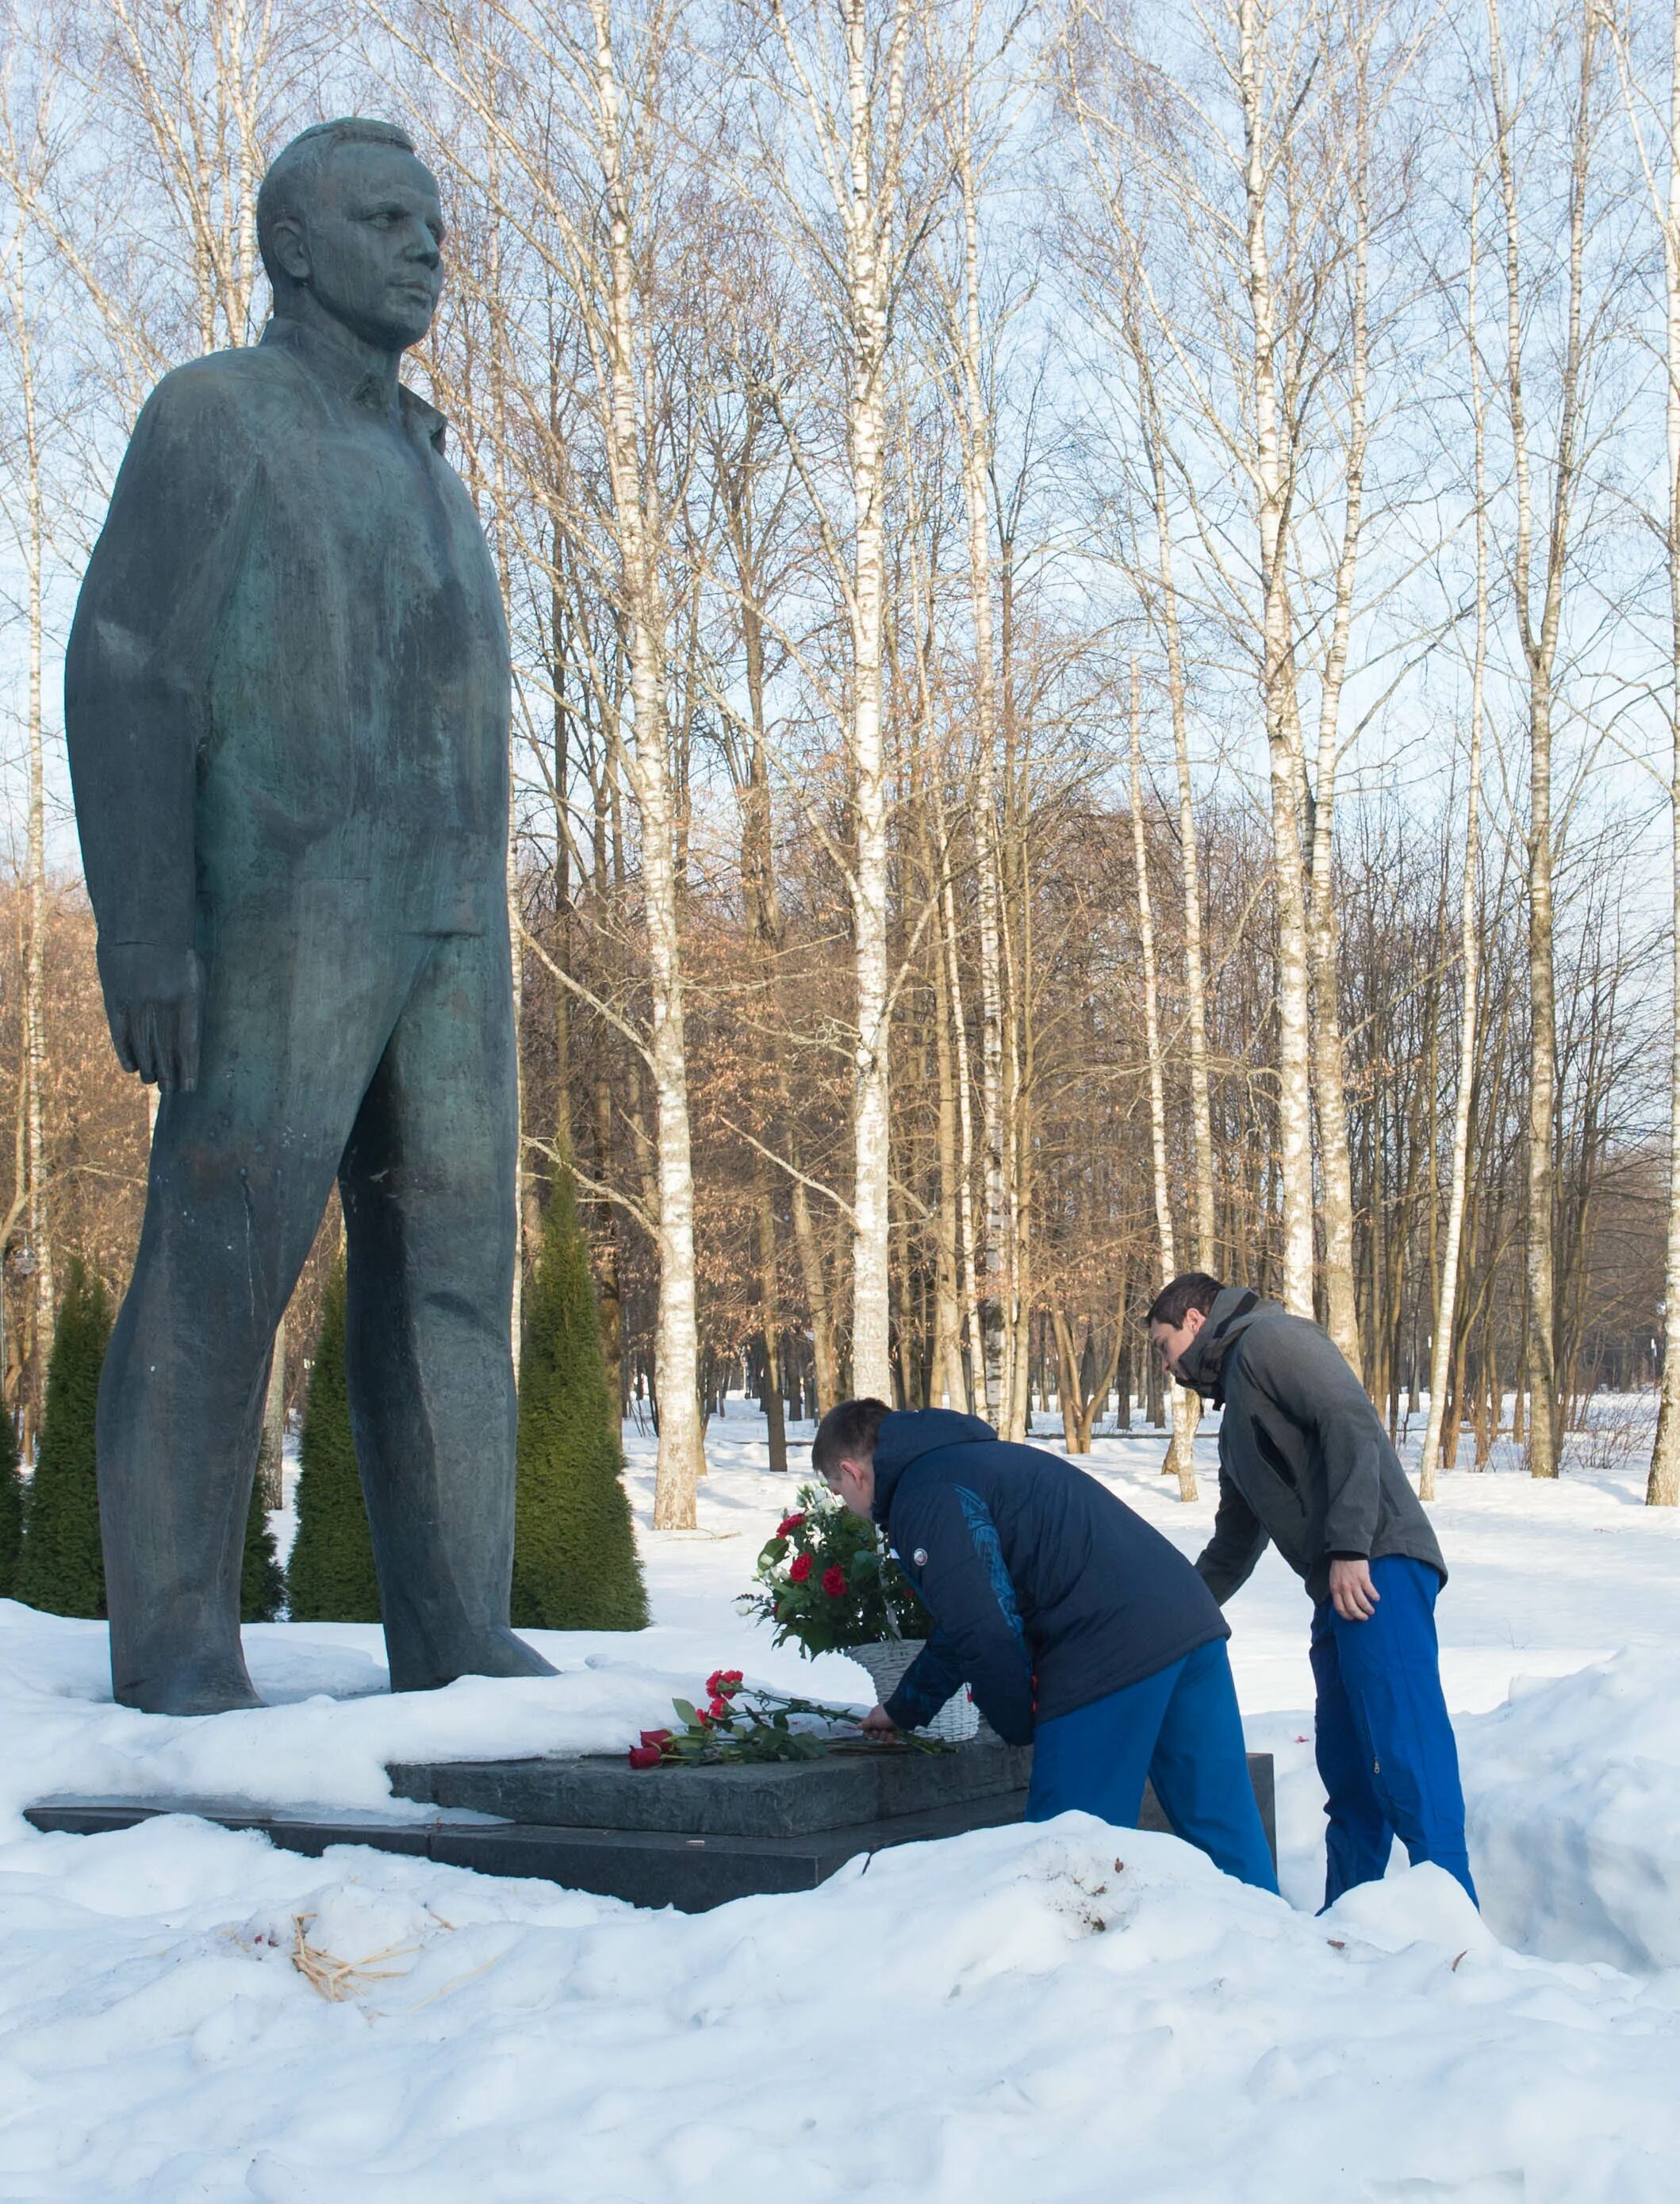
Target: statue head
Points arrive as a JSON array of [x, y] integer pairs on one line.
[[348, 217]]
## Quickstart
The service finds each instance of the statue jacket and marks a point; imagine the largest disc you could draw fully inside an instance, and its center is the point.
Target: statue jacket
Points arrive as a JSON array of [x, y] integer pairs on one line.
[[289, 662], [1047, 1592]]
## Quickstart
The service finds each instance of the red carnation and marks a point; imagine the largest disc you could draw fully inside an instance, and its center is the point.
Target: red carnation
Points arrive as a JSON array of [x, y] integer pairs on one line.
[[713, 1681], [645, 1755], [834, 1580], [801, 1568], [660, 1737], [718, 1710], [723, 1682], [733, 1679], [789, 1523]]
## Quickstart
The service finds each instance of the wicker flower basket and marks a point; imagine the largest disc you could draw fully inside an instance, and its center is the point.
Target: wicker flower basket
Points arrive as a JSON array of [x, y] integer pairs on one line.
[[957, 1721]]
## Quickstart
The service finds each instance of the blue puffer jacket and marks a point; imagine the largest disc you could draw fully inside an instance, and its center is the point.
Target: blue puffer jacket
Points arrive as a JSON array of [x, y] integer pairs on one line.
[[1046, 1591]]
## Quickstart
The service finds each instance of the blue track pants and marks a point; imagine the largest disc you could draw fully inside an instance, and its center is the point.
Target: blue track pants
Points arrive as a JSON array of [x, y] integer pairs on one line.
[[1385, 1743], [1179, 1728]]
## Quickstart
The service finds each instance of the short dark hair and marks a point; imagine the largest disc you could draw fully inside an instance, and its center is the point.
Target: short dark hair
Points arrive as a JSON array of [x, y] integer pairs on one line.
[[846, 1433], [1191, 1289], [296, 166]]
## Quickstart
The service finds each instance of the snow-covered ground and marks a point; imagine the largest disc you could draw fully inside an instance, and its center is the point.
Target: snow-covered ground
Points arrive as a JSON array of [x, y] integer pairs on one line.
[[1066, 2013]]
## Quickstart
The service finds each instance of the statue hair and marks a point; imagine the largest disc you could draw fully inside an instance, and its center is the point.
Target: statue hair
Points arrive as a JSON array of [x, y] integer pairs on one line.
[[293, 171]]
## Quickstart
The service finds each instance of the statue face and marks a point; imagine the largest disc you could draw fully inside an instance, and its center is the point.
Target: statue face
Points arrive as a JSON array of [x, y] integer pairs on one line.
[[372, 248]]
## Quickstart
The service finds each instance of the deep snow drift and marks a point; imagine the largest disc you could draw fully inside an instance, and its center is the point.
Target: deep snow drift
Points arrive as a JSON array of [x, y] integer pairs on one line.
[[1068, 2012]]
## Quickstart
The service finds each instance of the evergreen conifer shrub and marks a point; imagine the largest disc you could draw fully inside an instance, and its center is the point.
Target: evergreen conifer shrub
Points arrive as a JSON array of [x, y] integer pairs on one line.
[[574, 1554], [330, 1576], [11, 1505], [62, 1570], [262, 1581]]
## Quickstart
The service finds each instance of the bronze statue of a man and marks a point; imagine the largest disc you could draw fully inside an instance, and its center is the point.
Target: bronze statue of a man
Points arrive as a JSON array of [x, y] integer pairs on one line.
[[287, 702]]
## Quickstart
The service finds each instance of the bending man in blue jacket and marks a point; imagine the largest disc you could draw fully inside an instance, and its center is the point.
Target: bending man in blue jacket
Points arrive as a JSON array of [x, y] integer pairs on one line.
[[1078, 1628], [1305, 1463]]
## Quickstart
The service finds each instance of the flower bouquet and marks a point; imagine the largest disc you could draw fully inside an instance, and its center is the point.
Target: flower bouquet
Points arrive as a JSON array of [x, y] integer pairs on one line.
[[740, 1723], [828, 1581]]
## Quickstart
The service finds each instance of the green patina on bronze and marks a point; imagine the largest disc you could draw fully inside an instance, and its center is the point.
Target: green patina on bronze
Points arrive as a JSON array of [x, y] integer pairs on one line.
[[287, 702]]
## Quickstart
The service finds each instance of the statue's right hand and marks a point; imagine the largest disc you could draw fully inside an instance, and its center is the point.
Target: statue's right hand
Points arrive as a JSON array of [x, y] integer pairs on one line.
[[154, 999]]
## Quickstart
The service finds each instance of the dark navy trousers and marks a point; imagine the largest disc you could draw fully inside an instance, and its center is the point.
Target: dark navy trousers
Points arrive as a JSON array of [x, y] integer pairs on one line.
[[1181, 1730], [1385, 1743]]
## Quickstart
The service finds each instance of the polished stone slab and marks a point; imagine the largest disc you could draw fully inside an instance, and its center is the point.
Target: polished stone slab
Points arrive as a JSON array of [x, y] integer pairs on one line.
[[766, 1799], [643, 1867], [690, 1868]]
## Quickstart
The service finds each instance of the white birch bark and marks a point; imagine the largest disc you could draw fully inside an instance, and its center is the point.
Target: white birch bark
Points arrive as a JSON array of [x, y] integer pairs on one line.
[[637, 524], [1662, 1488], [968, 1283], [871, 1366], [860, 151], [1469, 944], [271, 1447], [1540, 644], [1180, 1452], [1335, 1167], [977, 449], [32, 546], [1295, 1101], [1195, 983]]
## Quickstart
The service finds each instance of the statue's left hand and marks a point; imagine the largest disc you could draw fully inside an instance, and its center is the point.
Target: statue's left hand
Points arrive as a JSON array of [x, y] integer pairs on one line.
[[154, 999]]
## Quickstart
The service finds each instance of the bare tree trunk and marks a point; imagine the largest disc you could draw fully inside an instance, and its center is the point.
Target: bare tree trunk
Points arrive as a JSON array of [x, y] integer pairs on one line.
[[1341, 1317], [813, 1273], [676, 1348], [1181, 1453], [1195, 984], [1539, 652], [34, 547], [271, 1451], [977, 449], [871, 1366], [968, 1284], [1441, 1363], [950, 1377], [1295, 1101], [1663, 1486], [770, 1329]]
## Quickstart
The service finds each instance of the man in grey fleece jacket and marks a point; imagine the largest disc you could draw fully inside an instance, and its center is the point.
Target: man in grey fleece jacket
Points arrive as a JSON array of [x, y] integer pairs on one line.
[[1305, 1463]]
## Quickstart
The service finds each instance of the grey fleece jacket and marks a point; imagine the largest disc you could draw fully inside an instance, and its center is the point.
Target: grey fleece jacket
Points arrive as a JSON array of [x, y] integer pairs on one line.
[[1304, 1459]]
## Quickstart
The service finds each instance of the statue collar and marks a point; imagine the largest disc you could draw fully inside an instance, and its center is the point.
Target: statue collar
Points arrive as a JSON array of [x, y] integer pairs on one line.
[[343, 372]]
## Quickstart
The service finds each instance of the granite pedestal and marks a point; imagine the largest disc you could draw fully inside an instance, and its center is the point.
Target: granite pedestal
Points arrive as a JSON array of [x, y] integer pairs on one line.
[[688, 1837]]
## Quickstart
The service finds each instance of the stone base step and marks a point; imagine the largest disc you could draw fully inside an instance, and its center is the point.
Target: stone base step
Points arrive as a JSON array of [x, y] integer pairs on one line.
[[651, 1867]]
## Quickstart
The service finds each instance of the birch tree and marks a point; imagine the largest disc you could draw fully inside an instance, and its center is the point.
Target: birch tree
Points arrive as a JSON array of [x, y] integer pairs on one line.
[[1660, 170], [1180, 1455], [852, 79], [574, 98], [26, 153], [1538, 630], [1442, 1360]]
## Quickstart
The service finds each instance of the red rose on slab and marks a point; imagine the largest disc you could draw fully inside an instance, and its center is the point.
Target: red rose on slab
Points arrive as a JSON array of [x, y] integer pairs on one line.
[[657, 1738], [800, 1569], [833, 1581], [645, 1755]]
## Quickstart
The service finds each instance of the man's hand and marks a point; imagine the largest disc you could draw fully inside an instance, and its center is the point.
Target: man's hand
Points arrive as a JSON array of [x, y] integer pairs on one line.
[[1351, 1591], [879, 1723], [154, 999]]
